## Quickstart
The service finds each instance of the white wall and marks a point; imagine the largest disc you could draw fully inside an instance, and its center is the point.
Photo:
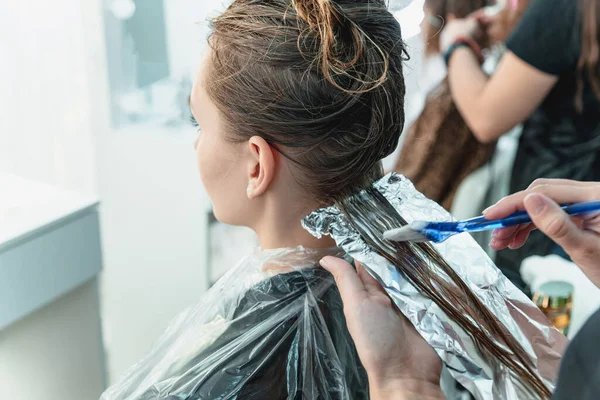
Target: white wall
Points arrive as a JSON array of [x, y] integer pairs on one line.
[[49, 67], [51, 83], [54, 128], [187, 28], [153, 213], [153, 218]]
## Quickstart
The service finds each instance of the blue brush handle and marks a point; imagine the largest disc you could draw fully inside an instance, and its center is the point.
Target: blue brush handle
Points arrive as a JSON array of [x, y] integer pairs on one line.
[[481, 224]]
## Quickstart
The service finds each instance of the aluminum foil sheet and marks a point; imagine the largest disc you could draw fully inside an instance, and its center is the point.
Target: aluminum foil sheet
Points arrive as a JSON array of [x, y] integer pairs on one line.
[[484, 378]]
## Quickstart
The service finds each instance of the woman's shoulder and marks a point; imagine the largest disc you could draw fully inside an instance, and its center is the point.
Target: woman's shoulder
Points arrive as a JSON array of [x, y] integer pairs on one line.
[[553, 7], [548, 35]]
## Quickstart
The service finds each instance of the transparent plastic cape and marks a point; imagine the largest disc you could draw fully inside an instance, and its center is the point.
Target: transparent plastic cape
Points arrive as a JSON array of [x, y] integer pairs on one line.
[[485, 379], [272, 328]]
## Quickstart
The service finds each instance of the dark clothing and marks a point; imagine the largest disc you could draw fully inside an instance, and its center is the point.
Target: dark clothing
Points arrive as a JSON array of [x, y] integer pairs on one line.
[[558, 141], [291, 361], [579, 376]]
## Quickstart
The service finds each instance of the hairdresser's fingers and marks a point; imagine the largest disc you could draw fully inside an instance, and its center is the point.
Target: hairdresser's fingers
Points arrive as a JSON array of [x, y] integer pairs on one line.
[[560, 182], [510, 238], [498, 245], [481, 16], [556, 189], [562, 192], [514, 241], [506, 233], [554, 222], [582, 243], [371, 285], [503, 238], [501, 244], [351, 287], [523, 234], [521, 237]]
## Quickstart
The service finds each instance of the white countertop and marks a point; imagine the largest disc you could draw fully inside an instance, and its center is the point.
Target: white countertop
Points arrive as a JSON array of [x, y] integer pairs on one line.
[[26, 207], [49, 245]]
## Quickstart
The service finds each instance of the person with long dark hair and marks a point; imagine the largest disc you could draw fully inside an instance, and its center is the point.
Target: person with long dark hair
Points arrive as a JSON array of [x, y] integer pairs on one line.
[[548, 79], [439, 150]]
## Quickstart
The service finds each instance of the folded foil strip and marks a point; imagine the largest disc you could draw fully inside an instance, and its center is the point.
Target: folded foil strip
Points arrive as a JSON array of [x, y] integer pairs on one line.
[[484, 378]]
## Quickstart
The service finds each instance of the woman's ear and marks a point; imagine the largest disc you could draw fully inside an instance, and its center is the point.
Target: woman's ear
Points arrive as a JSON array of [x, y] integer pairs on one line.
[[261, 168]]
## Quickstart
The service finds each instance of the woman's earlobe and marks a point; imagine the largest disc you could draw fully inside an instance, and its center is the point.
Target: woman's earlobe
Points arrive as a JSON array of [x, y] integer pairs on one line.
[[262, 170], [250, 191]]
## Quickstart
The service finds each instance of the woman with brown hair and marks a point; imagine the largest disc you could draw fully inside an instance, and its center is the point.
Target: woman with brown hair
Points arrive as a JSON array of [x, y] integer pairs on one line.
[[439, 150], [548, 80], [297, 103]]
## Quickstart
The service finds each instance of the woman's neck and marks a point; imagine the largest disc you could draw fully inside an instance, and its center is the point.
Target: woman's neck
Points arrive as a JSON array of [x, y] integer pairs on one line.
[[281, 228]]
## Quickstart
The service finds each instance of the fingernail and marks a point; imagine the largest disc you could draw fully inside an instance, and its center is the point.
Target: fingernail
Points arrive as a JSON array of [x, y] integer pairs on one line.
[[535, 204], [324, 263], [495, 233], [493, 205]]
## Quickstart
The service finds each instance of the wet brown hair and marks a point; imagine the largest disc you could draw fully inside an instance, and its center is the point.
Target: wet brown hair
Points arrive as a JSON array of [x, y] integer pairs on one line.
[[322, 82], [441, 9], [587, 66], [371, 214]]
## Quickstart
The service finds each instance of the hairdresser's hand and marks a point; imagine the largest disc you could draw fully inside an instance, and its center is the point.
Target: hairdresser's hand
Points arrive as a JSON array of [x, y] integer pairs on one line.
[[467, 28], [399, 362], [578, 236], [497, 26]]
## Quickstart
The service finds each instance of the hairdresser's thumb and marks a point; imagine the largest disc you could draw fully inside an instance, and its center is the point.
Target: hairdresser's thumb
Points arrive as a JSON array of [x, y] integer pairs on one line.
[[553, 221], [349, 284]]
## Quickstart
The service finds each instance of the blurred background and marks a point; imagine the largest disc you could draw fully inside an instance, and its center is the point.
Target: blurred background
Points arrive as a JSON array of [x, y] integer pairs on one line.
[[105, 231]]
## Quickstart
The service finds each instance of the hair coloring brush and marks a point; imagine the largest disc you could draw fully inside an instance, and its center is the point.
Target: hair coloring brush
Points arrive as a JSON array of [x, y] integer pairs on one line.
[[437, 232]]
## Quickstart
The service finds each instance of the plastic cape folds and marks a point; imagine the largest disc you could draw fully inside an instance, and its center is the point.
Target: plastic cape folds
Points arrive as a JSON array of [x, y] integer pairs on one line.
[[485, 379], [272, 328]]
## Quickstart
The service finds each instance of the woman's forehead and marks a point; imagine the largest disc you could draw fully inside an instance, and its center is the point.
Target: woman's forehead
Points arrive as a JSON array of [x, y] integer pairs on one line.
[[200, 77]]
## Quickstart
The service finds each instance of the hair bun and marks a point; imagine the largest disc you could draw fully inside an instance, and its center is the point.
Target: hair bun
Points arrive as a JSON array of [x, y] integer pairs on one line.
[[343, 45], [317, 13]]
